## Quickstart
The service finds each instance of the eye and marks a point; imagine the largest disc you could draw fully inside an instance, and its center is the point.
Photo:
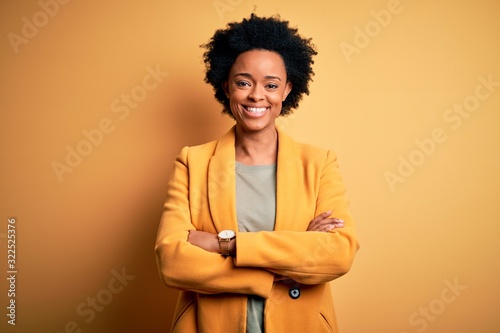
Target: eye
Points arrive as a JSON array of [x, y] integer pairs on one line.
[[272, 86], [242, 84]]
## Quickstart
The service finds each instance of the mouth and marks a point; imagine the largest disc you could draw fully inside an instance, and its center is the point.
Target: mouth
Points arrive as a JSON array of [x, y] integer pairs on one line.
[[255, 110]]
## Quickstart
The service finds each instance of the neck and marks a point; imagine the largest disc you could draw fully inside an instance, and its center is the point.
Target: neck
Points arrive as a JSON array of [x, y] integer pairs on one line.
[[256, 148]]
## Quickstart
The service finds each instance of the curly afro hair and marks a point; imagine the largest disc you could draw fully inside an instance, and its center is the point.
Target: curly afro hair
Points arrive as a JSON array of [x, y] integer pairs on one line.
[[271, 34]]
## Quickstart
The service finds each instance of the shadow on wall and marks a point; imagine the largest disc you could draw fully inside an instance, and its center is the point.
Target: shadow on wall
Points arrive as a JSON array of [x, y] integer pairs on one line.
[[186, 119], [195, 116]]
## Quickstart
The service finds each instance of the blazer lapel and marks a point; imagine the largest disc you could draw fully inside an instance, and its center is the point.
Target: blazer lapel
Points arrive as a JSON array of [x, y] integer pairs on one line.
[[222, 184], [288, 179]]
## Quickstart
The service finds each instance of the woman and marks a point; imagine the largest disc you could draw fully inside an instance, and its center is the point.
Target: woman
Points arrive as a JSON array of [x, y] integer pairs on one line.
[[256, 225]]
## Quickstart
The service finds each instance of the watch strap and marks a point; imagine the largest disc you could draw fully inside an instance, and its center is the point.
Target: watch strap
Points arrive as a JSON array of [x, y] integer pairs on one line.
[[224, 247]]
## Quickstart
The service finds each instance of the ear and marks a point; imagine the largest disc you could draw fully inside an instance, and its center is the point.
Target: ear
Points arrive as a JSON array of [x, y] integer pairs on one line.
[[288, 89], [225, 87]]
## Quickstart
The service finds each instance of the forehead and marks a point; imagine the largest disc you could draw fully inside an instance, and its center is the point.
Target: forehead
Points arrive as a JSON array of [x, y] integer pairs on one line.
[[259, 62]]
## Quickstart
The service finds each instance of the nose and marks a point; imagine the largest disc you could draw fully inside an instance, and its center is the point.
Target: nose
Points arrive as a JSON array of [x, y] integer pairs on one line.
[[256, 94]]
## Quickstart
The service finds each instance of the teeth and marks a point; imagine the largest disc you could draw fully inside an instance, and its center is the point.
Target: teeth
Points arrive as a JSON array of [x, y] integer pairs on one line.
[[256, 110]]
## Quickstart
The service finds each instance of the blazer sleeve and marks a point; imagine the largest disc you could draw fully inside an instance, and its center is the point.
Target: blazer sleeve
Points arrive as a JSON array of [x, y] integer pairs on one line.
[[307, 257], [188, 267]]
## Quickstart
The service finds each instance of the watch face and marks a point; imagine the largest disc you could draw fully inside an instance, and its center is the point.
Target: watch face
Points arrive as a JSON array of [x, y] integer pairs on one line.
[[226, 234]]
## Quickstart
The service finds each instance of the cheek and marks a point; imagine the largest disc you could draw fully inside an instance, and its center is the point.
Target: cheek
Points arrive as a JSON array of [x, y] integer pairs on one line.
[[236, 96], [235, 99], [278, 98]]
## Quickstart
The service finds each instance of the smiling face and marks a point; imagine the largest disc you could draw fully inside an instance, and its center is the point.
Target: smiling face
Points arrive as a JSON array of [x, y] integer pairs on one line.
[[256, 87]]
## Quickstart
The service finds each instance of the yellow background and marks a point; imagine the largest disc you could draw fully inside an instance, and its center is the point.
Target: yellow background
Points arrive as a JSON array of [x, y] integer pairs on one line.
[[436, 226]]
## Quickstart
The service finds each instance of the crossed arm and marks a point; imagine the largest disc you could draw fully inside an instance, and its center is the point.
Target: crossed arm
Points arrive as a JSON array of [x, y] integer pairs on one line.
[[209, 241], [188, 258]]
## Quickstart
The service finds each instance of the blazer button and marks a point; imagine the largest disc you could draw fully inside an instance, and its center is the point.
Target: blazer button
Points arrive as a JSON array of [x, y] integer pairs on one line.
[[294, 293]]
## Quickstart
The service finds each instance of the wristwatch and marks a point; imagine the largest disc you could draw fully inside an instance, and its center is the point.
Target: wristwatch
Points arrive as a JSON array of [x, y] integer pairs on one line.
[[225, 236]]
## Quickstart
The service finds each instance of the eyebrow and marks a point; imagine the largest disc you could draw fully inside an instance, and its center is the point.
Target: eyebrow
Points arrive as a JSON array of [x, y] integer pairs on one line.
[[272, 77]]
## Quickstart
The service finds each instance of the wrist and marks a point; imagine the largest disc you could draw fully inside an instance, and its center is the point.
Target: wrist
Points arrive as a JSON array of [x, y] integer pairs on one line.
[[215, 244], [227, 242], [232, 248]]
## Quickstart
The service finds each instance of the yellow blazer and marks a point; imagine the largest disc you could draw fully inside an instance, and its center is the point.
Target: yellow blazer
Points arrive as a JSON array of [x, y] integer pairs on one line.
[[214, 289]]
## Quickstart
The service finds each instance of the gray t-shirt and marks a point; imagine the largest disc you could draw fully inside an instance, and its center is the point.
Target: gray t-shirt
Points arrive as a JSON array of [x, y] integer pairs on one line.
[[256, 211]]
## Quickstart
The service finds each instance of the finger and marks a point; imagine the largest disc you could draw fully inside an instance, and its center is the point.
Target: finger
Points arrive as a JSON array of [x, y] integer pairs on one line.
[[313, 225], [326, 214], [338, 223], [322, 222], [335, 224], [329, 221], [321, 217], [323, 227]]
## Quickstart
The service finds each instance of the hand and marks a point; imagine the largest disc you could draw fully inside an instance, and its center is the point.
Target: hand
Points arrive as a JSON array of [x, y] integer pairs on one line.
[[325, 223], [204, 240]]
